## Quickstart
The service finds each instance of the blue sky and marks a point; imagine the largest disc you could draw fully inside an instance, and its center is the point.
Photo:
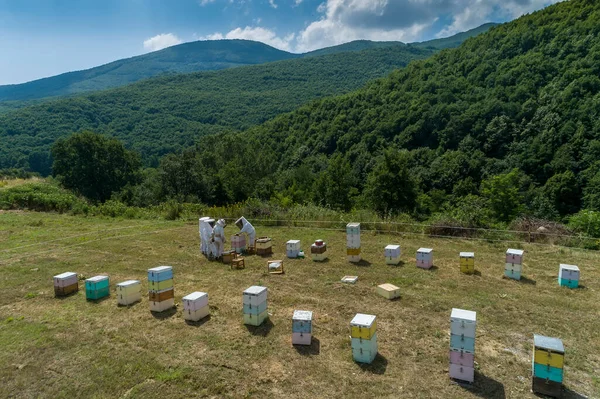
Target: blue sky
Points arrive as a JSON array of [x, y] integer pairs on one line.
[[40, 38]]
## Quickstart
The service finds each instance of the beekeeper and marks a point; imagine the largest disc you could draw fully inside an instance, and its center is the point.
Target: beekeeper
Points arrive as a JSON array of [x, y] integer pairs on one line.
[[218, 238], [247, 228], [204, 236]]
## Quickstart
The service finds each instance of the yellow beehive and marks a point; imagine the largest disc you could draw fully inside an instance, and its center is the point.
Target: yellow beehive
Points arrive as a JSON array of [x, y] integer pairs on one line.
[[467, 262], [549, 358], [363, 326], [353, 251]]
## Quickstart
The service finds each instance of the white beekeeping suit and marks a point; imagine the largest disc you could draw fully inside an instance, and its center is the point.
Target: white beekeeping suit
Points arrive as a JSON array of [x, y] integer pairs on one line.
[[204, 236], [246, 228], [209, 224], [219, 238]]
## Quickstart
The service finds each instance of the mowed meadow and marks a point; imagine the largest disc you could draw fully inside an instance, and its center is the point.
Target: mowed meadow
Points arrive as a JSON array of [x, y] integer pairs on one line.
[[68, 347]]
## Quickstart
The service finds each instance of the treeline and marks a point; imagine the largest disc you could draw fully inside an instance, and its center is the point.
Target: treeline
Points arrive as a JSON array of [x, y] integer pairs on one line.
[[168, 114]]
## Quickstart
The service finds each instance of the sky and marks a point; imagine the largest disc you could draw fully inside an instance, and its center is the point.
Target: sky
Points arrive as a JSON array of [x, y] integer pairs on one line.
[[41, 38]]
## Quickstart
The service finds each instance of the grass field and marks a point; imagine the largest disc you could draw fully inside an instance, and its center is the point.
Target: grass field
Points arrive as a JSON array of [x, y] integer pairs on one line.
[[69, 347]]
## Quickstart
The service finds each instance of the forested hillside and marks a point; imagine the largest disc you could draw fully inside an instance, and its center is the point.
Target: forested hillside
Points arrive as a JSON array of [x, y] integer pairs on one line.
[[167, 114], [507, 124]]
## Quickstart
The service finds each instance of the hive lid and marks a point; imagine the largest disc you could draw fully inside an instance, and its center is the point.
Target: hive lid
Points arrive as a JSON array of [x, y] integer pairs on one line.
[[194, 296], [349, 279], [97, 278], [160, 269], [353, 225], [319, 243], [388, 287], [263, 239], [255, 290], [65, 275], [467, 254], [518, 252], [463, 314], [128, 283], [568, 267], [425, 250], [392, 247], [302, 315], [363, 320], [293, 242], [553, 344]]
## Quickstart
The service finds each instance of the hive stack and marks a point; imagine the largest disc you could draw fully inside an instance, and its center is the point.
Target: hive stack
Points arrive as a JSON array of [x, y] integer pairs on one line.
[[264, 246], [302, 327], [568, 276], [425, 258], [97, 287], [292, 248], [364, 338], [514, 264], [462, 344], [467, 262], [392, 254], [195, 306], [65, 284], [353, 242], [161, 293], [129, 292], [255, 305], [318, 251], [547, 365], [238, 243]]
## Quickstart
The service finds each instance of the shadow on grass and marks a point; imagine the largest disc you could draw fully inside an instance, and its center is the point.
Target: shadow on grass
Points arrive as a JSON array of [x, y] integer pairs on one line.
[[379, 365], [570, 394], [326, 260], [198, 323], [119, 305], [309, 350], [433, 268], [362, 263], [477, 273], [484, 387], [165, 314], [263, 330], [400, 264], [527, 280], [104, 298], [62, 297]]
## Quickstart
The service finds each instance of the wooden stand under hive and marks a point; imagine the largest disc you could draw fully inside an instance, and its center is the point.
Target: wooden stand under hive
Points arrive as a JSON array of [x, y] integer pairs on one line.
[[547, 366], [161, 294], [238, 263], [255, 305], [275, 267], [229, 256], [264, 246], [195, 306], [462, 344], [65, 284]]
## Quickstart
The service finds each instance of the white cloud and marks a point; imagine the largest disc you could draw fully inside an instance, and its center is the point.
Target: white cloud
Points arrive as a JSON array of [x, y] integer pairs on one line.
[[255, 33], [272, 3], [205, 2], [161, 41], [298, 2]]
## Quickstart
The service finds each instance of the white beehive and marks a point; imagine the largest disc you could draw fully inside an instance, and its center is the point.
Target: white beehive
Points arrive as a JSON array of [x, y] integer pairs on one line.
[[392, 254]]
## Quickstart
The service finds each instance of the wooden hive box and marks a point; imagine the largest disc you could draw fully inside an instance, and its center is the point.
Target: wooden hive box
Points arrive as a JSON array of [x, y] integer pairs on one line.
[[363, 326], [548, 360], [160, 273], [568, 276], [467, 262], [129, 292], [97, 287], [425, 258], [388, 291], [65, 284], [514, 256], [275, 267], [195, 306]]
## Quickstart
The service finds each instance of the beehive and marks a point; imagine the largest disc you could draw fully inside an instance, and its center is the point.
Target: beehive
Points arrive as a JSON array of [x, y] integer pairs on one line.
[[255, 305], [467, 262], [392, 254], [568, 276], [195, 306], [129, 292], [353, 242], [238, 243], [363, 332], [388, 291], [275, 267], [349, 279], [462, 344], [425, 258], [547, 365], [513, 264], [97, 287], [318, 251], [302, 327], [264, 246], [292, 248], [65, 284], [161, 294]]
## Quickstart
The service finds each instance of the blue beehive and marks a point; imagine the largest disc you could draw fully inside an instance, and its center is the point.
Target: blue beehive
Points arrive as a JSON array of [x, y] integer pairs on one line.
[[568, 276], [97, 287]]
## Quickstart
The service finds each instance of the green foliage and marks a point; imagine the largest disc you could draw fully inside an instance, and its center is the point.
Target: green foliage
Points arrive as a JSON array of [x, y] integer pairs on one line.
[[93, 165], [39, 196], [391, 189], [335, 186], [502, 192], [586, 222]]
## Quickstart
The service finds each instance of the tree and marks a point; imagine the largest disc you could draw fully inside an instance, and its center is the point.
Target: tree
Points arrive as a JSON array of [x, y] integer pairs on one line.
[[93, 165], [503, 194], [390, 186], [334, 187]]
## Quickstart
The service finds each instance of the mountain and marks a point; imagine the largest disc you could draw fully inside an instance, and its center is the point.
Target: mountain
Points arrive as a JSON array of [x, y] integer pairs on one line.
[[183, 58], [455, 40], [165, 114], [506, 124]]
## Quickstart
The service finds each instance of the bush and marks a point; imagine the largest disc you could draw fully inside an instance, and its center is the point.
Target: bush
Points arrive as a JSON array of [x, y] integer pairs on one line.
[[586, 222], [39, 196]]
